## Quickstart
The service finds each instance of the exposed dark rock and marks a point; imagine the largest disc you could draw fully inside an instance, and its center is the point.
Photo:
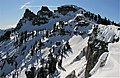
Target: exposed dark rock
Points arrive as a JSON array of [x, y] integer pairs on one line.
[[5, 36], [28, 14], [44, 12], [44, 8], [93, 53], [71, 75], [118, 28], [67, 8], [40, 20], [82, 24]]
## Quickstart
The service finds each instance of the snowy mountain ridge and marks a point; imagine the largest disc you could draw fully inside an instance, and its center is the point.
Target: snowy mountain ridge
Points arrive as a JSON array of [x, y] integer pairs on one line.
[[67, 43]]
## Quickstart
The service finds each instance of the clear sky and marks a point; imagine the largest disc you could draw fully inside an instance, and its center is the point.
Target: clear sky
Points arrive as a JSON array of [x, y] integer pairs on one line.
[[12, 10]]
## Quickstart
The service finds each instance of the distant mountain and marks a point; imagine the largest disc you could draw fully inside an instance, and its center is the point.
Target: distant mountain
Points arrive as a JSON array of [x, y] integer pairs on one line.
[[67, 43]]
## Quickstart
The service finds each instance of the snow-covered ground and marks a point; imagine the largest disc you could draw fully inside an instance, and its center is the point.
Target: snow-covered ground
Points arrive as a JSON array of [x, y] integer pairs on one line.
[[78, 43], [112, 66]]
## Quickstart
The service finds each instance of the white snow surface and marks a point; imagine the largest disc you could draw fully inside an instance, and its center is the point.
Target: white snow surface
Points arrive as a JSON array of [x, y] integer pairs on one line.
[[112, 67], [78, 43]]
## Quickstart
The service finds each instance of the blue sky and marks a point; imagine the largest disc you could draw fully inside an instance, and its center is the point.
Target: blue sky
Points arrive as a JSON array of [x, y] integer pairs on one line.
[[12, 10]]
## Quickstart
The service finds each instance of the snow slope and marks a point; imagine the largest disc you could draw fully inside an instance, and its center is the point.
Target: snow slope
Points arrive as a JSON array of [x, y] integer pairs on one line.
[[112, 67], [78, 43]]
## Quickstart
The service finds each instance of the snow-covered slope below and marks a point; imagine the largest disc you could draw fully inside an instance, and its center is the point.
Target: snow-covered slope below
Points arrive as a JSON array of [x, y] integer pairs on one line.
[[78, 43], [112, 67]]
